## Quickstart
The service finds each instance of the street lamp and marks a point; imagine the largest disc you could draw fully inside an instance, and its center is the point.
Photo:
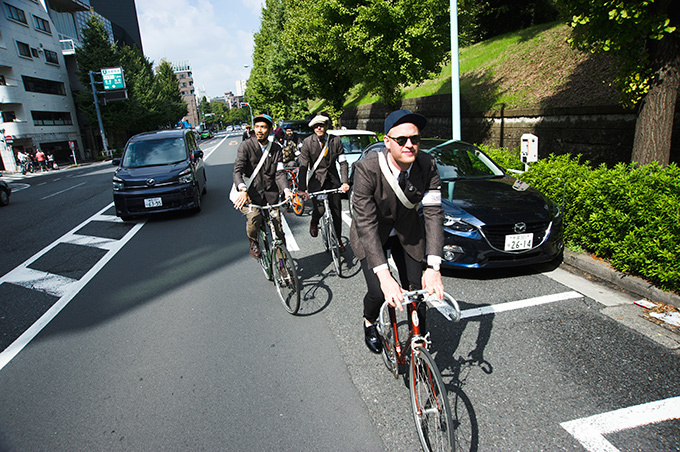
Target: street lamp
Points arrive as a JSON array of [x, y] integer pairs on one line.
[[251, 112]]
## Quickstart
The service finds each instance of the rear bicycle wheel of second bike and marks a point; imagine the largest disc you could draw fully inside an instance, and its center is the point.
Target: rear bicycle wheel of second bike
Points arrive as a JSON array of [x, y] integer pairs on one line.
[[430, 404], [285, 278]]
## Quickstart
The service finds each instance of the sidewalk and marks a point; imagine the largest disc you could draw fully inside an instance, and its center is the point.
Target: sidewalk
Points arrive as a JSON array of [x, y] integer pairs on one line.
[[602, 270]]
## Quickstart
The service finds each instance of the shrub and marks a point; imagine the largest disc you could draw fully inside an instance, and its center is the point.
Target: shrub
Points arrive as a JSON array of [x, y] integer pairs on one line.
[[628, 215]]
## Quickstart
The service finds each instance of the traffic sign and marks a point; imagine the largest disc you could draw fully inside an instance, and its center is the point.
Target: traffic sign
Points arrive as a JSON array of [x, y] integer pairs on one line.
[[113, 78], [9, 139]]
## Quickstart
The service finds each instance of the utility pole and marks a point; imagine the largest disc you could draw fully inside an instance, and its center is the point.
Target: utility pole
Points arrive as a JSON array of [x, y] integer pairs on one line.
[[99, 115]]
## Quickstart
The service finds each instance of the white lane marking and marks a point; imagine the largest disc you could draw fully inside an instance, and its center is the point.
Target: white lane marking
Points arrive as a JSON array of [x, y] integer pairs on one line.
[[63, 191], [519, 304], [291, 244], [589, 431], [57, 285]]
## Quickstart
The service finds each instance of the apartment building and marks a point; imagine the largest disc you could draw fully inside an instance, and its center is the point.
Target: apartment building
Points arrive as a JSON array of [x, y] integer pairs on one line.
[[185, 80]]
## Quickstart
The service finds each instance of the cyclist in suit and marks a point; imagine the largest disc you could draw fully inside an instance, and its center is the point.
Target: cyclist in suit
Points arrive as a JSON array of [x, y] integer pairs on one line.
[[381, 221], [324, 175], [269, 181]]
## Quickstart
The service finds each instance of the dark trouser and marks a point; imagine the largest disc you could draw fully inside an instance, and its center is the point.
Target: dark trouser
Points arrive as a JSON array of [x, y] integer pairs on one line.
[[410, 274], [335, 203]]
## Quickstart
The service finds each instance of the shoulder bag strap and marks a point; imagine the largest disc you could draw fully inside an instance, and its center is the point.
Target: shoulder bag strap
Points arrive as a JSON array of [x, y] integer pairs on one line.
[[324, 151], [384, 167], [259, 165]]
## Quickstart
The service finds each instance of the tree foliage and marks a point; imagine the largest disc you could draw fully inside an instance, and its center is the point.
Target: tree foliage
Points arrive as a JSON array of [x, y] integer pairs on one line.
[[644, 36], [153, 101]]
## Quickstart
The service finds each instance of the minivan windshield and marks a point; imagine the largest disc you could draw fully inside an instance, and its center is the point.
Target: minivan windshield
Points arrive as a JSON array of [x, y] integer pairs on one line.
[[154, 152]]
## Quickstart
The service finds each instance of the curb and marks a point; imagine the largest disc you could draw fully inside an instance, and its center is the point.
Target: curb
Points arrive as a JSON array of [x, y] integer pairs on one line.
[[602, 270]]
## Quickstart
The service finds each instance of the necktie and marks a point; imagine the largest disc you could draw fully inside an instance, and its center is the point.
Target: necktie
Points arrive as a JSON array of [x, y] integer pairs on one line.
[[403, 176]]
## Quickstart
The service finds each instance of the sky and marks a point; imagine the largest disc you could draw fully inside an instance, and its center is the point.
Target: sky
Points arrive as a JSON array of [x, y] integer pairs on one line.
[[214, 36]]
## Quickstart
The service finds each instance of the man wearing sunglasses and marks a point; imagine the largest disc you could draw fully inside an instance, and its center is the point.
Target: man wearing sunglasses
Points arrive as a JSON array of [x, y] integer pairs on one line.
[[318, 171], [384, 219]]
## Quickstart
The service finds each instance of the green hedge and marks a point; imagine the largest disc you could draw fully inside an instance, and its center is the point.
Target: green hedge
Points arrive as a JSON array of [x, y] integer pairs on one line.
[[626, 214]]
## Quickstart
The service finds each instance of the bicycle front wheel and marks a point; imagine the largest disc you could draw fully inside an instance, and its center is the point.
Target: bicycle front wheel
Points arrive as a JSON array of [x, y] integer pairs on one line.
[[430, 403], [265, 256], [334, 247], [286, 279]]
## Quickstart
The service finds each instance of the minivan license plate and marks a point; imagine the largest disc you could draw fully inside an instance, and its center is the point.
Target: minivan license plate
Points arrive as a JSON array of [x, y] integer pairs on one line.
[[153, 202], [514, 242]]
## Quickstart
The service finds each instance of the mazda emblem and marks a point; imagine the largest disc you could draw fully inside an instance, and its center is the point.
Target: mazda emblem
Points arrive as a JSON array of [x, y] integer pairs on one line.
[[520, 228]]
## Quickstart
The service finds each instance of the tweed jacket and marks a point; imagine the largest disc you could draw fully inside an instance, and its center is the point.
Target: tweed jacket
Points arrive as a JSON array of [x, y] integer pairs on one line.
[[269, 181], [376, 210], [326, 174]]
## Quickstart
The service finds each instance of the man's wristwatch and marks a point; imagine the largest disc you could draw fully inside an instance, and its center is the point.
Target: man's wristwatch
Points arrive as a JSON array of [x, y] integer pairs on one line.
[[434, 267], [243, 189]]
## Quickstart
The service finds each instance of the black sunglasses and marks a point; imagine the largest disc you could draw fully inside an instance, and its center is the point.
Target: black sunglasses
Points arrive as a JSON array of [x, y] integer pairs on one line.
[[401, 141]]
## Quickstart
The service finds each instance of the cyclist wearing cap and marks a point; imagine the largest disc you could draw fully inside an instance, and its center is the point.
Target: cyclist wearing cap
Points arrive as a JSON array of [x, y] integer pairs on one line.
[[319, 172], [385, 219], [269, 181]]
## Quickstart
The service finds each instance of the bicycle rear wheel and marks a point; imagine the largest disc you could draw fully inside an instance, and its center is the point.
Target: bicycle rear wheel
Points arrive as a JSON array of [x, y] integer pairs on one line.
[[265, 256], [430, 403], [286, 279]]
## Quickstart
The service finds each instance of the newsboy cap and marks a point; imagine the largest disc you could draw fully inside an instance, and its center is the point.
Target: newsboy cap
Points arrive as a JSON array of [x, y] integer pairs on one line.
[[401, 116], [319, 119]]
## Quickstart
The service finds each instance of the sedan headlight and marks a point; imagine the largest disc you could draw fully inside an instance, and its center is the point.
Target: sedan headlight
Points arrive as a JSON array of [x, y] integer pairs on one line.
[[457, 224], [186, 176], [118, 183]]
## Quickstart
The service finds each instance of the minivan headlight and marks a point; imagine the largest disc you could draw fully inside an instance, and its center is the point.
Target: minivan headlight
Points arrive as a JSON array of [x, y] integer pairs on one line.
[[118, 183], [186, 176]]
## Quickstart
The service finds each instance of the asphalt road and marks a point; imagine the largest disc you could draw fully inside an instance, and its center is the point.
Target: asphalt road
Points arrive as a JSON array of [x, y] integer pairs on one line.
[[179, 343]]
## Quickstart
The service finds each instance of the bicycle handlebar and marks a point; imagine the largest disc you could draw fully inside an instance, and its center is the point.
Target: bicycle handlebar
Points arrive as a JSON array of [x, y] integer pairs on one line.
[[423, 295], [325, 192], [268, 206]]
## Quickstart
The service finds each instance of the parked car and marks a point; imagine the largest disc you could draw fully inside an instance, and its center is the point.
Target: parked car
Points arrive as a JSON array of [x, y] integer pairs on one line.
[[354, 141], [491, 219], [159, 172], [5, 191]]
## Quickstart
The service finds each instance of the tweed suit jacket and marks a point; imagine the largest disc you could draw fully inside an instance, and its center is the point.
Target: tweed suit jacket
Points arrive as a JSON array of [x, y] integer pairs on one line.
[[326, 174], [269, 181], [376, 210]]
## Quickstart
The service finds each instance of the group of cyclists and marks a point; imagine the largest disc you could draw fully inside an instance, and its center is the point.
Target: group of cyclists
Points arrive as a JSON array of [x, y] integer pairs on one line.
[[388, 188], [37, 160]]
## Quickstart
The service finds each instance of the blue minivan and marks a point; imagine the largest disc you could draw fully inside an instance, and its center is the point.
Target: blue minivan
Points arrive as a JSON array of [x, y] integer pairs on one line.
[[159, 171]]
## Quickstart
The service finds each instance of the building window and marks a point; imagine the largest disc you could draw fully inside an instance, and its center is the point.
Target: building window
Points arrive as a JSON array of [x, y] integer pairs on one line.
[[15, 14], [8, 116], [24, 49], [51, 118], [3, 82], [41, 24], [51, 57], [39, 85], [182, 75]]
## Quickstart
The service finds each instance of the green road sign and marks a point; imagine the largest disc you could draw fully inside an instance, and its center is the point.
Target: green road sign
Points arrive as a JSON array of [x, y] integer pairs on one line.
[[113, 78]]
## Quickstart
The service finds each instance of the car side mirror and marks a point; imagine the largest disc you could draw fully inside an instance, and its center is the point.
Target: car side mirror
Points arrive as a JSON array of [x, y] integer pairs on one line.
[[115, 162], [198, 154]]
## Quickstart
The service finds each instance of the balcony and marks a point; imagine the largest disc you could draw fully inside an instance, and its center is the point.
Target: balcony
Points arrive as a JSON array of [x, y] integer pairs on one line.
[[10, 94], [68, 47]]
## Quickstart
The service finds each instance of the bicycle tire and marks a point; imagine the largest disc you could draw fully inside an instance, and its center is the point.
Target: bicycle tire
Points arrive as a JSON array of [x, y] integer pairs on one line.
[[324, 232], [430, 403], [333, 246], [265, 255], [389, 350], [286, 279], [298, 205]]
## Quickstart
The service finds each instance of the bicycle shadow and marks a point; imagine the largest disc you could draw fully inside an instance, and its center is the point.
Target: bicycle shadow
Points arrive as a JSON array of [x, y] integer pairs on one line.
[[446, 341], [314, 273]]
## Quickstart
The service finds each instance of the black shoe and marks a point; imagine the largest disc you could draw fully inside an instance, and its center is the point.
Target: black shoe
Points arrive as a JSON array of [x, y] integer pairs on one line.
[[373, 341], [255, 249]]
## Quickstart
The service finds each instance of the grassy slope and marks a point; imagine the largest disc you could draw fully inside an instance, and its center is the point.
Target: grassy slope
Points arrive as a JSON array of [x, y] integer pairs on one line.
[[531, 68]]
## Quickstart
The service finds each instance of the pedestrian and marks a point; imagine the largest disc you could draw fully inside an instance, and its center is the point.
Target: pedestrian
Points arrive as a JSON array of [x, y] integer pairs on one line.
[[389, 185], [40, 157], [318, 171], [259, 160], [51, 164], [246, 133]]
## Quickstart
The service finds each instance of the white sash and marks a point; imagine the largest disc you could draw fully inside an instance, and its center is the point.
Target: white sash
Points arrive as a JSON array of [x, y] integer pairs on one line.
[[234, 191], [318, 161], [387, 172]]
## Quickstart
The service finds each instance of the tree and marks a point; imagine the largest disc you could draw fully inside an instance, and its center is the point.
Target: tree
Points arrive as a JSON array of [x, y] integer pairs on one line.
[[644, 36]]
